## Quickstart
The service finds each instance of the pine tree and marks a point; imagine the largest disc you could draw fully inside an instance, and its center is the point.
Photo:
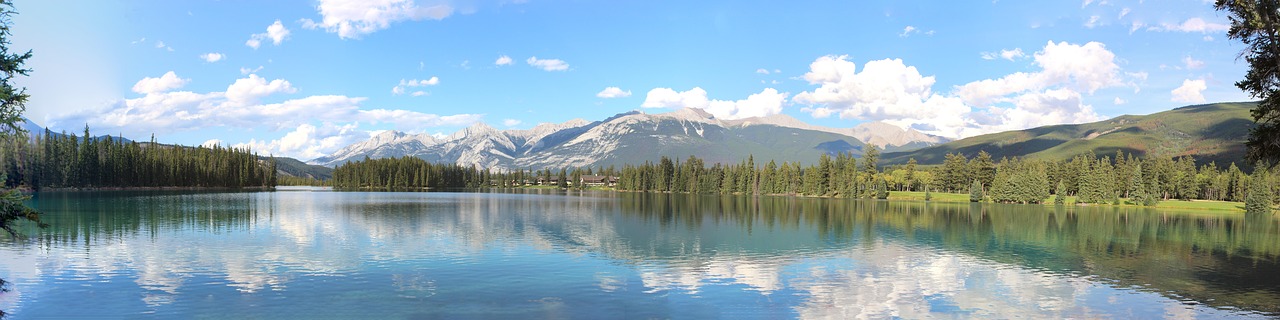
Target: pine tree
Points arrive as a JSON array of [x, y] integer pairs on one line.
[[975, 191], [1060, 194], [882, 191], [1259, 199]]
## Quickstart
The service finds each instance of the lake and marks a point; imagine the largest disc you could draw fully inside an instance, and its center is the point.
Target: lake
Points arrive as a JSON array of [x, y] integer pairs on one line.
[[314, 253]]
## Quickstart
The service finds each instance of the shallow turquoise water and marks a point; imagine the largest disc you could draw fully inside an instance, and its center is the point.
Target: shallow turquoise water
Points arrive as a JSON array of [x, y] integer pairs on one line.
[[310, 253]]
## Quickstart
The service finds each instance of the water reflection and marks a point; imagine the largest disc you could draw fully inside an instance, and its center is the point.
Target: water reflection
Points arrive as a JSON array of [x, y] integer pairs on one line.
[[648, 255]]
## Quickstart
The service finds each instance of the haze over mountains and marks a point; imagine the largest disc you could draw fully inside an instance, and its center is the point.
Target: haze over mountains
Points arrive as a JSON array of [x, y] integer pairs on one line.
[[634, 137]]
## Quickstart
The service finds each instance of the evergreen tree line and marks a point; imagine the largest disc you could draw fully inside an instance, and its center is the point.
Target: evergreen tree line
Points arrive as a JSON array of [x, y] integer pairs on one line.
[[1087, 177], [50, 160], [838, 176], [1093, 179], [414, 173]]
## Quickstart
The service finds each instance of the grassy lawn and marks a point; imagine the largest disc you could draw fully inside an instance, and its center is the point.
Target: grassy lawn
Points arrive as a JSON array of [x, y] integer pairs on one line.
[[937, 196], [1170, 204]]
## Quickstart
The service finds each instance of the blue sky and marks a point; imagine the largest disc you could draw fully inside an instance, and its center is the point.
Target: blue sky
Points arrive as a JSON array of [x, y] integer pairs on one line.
[[304, 78]]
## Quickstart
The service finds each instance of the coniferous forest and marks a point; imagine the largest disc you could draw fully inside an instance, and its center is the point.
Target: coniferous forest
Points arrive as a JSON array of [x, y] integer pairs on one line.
[[58, 160], [1088, 178]]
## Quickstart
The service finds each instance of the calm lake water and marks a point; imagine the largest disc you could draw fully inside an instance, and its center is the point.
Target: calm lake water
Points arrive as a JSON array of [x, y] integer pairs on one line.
[[311, 253]]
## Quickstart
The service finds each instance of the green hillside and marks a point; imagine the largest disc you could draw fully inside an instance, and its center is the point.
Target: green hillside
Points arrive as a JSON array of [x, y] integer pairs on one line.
[[293, 167], [1210, 132]]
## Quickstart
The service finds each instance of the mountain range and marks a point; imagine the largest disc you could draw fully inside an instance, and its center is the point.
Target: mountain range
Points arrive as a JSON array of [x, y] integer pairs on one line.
[[635, 137]]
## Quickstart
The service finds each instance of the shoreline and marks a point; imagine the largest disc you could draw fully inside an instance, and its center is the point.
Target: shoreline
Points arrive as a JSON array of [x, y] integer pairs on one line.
[[87, 189]]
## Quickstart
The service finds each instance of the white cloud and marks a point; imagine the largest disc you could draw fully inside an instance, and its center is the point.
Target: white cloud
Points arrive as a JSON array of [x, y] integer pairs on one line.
[[613, 92], [511, 122], [211, 143], [1012, 54], [1124, 12], [502, 61], [166, 82], [767, 102], [1192, 63], [888, 90], [276, 32], [247, 70], [249, 90], [883, 90], [212, 57], [548, 64], [1093, 21], [1119, 101], [413, 83], [308, 141], [1084, 68], [1135, 26], [355, 18], [668, 98], [161, 45], [906, 32], [1191, 91], [762, 71], [1192, 25], [419, 93], [161, 110], [1006, 54]]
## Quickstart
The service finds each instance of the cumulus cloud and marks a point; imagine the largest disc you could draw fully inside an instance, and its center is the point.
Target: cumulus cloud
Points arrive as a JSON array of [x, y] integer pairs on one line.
[[166, 82], [890, 91], [211, 143], [276, 32], [511, 122], [413, 83], [767, 102], [249, 90], [548, 64], [1191, 91], [161, 110], [613, 92], [212, 57], [502, 61], [355, 18], [1192, 25], [1119, 101], [1085, 68], [762, 71], [883, 90], [1093, 22], [308, 141]]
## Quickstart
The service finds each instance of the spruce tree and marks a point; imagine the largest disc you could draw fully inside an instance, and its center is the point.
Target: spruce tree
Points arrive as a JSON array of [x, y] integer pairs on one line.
[[975, 191], [1060, 194], [1258, 202]]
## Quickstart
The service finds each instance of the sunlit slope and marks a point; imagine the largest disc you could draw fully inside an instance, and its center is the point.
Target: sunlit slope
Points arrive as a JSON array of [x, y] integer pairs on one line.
[[1210, 132]]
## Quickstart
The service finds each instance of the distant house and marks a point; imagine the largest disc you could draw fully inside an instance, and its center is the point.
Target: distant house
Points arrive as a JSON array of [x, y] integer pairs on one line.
[[598, 181]]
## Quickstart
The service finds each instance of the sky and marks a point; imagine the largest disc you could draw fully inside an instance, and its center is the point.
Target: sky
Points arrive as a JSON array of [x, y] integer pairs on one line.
[[305, 78]]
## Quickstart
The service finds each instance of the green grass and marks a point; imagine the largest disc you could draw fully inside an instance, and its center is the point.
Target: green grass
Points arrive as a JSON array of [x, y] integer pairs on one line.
[[937, 196], [1206, 205]]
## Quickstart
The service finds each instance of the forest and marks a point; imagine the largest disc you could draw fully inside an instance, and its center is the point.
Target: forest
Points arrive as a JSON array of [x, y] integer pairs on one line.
[[1088, 178], [60, 160]]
